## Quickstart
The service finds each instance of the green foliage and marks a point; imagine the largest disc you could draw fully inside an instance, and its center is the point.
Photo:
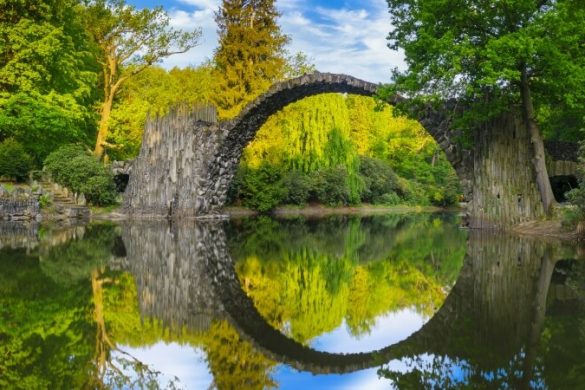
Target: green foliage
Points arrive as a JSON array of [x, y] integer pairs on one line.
[[45, 201], [128, 41], [45, 342], [390, 199], [15, 163], [153, 92], [298, 187], [99, 190], [379, 180], [48, 75], [76, 169], [55, 163], [331, 187], [359, 268], [318, 135], [479, 52], [250, 56], [297, 65], [262, 188]]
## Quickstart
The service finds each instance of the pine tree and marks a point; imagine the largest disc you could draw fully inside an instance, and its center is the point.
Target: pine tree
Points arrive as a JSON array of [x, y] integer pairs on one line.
[[250, 56]]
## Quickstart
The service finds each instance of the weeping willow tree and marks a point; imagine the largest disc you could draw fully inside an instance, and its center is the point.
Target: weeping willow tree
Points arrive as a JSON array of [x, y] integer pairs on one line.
[[358, 270], [332, 133]]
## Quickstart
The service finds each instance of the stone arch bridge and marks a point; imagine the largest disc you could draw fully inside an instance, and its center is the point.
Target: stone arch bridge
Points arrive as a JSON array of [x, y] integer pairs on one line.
[[188, 159]]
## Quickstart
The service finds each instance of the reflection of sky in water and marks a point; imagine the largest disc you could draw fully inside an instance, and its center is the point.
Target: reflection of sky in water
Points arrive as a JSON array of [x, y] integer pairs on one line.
[[387, 330], [188, 363], [183, 361]]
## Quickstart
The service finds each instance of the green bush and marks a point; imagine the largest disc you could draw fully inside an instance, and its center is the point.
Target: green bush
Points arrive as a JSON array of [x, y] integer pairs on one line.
[[15, 162], [76, 169], [100, 190], [298, 186], [379, 179], [263, 188], [390, 199], [331, 187], [57, 163], [45, 201], [415, 194]]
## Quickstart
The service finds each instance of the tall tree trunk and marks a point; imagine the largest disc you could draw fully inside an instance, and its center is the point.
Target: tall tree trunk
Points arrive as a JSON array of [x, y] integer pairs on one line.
[[104, 125], [539, 162]]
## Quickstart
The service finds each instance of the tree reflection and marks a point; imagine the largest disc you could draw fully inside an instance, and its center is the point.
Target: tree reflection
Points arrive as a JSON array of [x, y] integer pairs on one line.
[[292, 278], [500, 336], [52, 305], [74, 308]]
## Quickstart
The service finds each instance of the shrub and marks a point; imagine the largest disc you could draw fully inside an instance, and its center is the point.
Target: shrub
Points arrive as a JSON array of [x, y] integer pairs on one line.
[[15, 162], [331, 187], [57, 163], [298, 187], [390, 199], [100, 190], [414, 193], [45, 201], [76, 169], [379, 179], [262, 189]]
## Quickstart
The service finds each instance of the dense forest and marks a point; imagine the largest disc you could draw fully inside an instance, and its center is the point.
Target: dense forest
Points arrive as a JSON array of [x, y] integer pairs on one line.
[[89, 313], [89, 73], [70, 76]]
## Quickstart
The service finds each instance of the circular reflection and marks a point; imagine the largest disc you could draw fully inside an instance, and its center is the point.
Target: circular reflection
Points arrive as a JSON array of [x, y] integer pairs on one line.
[[328, 292]]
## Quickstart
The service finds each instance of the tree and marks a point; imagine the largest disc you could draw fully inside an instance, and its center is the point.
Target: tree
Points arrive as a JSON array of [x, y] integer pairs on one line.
[[129, 41], [48, 75], [493, 55], [250, 56], [297, 65], [153, 92]]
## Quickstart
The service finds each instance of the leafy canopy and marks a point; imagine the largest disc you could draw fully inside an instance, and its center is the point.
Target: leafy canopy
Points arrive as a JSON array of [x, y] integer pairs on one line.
[[477, 50], [250, 56], [48, 75]]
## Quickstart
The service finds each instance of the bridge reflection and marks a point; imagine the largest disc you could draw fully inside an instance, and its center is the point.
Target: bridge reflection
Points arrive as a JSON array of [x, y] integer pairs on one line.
[[494, 313]]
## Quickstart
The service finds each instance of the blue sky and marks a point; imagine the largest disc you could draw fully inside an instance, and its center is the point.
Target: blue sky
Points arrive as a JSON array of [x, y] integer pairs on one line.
[[189, 363], [339, 36]]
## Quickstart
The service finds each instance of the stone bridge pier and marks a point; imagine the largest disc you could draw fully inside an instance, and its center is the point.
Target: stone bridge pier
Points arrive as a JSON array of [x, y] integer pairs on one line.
[[188, 159]]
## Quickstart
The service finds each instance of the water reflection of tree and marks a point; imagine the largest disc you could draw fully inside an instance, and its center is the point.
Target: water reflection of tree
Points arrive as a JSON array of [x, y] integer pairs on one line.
[[357, 268], [52, 307], [112, 366], [500, 337]]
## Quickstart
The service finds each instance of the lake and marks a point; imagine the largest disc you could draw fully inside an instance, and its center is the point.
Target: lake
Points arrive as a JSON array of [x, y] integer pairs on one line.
[[406, 301]]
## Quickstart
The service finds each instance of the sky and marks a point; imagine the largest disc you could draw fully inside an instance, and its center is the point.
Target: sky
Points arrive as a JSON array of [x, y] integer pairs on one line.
[[189, 364], [338, 36]]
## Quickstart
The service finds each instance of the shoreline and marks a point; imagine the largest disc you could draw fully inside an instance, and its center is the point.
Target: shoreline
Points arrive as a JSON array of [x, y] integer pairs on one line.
[[324, 211], [546, 229]]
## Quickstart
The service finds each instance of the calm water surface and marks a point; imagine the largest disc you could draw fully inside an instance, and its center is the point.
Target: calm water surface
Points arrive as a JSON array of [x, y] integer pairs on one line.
[[394, 301]]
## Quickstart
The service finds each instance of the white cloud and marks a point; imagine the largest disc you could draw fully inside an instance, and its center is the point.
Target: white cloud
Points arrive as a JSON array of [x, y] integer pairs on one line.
[[346, 40], [202, 18], [174, 360], [387, 330], [343, 40]]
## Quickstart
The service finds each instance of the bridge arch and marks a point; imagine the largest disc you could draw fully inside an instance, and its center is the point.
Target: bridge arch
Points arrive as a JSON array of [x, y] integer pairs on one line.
[[240, 131], [188, 160], [245, 317]]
